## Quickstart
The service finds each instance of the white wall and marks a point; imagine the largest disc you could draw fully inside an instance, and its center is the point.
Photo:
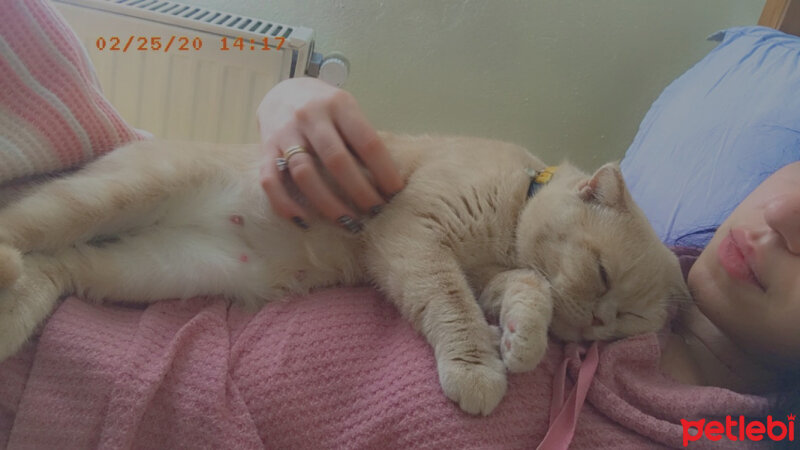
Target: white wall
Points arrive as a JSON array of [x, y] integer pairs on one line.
[[562, 77]]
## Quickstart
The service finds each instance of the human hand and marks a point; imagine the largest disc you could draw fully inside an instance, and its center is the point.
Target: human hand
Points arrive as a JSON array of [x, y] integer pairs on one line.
[[329, 124]]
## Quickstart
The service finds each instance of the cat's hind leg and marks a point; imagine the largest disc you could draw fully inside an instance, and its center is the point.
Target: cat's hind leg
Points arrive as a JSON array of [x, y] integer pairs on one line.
[[142, 266], [115, 192], [73, 209], [25, 303], [10, 265]]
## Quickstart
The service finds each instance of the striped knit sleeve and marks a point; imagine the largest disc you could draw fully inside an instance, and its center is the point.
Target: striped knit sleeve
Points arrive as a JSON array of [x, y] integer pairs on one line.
[[53, 115]]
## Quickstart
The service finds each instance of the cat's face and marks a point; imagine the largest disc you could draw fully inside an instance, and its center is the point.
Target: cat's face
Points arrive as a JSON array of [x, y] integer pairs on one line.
[[610, 275]]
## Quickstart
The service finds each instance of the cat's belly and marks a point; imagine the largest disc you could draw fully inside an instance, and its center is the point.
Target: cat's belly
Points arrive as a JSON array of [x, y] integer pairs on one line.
[[265, 256]]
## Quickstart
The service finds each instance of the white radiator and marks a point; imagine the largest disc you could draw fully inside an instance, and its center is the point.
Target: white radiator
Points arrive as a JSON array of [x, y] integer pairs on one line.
[[186, 72]]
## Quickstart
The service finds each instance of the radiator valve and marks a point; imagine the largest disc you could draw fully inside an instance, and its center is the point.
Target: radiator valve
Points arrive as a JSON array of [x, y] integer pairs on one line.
[[332, 69]]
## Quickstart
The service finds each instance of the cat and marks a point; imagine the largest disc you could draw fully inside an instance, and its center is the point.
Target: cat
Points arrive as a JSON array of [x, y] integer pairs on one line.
[[461, 243]]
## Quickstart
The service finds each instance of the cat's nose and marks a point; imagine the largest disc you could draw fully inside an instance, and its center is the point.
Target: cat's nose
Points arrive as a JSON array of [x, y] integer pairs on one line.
[[597, 322]]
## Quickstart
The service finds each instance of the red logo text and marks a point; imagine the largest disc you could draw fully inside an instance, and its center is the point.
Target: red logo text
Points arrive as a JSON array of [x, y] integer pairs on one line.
[[737, 430]]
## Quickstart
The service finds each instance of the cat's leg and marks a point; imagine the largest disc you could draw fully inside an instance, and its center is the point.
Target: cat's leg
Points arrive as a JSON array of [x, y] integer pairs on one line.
[[480, 277], [10, 265], [523, 302], [109, 194], [150, 265], [117, 192], [433, 294], [66, 210], [26, 303]]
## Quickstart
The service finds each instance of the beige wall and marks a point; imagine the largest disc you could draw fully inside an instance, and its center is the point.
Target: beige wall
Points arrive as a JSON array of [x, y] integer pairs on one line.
[[563, 77]]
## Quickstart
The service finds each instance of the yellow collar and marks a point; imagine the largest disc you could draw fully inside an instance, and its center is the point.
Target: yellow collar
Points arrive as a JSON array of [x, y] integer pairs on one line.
[[539, 178]]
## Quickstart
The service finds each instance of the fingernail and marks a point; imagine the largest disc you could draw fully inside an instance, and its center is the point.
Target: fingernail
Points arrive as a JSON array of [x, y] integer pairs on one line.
[[348, 222], [300, 222], [375, 210]]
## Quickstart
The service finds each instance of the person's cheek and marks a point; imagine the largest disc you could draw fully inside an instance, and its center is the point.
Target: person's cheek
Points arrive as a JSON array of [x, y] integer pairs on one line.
[[709, 290], [772, 337]]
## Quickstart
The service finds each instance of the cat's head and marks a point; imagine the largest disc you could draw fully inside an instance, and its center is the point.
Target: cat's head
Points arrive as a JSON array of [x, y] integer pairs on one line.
[[610, 274]]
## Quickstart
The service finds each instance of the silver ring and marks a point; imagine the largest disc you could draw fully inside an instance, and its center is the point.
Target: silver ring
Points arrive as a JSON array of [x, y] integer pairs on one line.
[[293, 151], [282, 164]]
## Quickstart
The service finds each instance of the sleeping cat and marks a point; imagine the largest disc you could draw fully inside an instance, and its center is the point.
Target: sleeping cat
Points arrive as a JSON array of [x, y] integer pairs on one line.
[[462, 242]]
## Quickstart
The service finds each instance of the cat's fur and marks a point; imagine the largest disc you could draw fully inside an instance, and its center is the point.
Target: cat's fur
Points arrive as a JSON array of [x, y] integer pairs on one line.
[[157, 220]]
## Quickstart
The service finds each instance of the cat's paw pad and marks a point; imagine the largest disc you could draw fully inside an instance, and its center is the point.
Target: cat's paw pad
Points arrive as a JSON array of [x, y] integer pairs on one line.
[[477, 387], [10, 265], [523, 346]]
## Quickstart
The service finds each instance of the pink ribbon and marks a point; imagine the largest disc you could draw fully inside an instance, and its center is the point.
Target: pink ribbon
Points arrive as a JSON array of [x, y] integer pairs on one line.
[[564, 413]]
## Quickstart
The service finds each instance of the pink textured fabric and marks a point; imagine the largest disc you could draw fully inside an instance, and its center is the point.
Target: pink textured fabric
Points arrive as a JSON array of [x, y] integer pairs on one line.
[[52, 112], [336, 369]]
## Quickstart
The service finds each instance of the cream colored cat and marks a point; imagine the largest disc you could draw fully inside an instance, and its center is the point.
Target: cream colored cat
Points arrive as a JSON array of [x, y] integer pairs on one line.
[[157, 220]]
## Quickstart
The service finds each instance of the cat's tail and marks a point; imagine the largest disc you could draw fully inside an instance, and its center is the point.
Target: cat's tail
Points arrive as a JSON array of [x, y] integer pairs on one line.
[[10, 265]]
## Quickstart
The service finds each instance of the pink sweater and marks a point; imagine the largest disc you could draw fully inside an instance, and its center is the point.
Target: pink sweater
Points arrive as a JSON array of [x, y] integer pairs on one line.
[[337, 369], [53, 115]]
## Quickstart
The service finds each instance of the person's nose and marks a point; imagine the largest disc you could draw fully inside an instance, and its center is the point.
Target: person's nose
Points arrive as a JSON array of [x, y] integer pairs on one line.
[[782, 214]]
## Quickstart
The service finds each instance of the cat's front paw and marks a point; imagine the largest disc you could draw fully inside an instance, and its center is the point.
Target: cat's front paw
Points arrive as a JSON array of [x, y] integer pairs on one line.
[[477, 386], [524, 342]]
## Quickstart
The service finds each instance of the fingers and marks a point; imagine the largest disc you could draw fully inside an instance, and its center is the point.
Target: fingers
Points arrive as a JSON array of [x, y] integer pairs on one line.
[[366, 143], [279, 198], [343, 167], [304, 174]]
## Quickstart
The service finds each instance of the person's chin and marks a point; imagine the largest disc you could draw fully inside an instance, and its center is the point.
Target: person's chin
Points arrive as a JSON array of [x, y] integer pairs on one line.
[[714, 293]]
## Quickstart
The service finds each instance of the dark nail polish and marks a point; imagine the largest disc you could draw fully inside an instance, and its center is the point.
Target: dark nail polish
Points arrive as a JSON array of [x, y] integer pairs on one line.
[[348, 222], [300, 222], [393, 195], [375, 210]]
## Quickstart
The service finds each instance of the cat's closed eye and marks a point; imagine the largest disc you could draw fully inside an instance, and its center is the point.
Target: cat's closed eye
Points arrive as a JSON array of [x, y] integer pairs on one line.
[[624, 314], [604, 278]]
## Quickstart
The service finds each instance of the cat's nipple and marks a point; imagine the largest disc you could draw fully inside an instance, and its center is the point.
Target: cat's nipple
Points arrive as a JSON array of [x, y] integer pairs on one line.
[[243, 258], [237, 219]]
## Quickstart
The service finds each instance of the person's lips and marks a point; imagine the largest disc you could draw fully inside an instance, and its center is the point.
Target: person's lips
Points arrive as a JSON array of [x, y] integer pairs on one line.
[[750, 250], [738, 257]]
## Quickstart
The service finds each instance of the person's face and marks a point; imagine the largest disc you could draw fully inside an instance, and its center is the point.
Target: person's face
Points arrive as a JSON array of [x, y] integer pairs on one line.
[[747, 280]]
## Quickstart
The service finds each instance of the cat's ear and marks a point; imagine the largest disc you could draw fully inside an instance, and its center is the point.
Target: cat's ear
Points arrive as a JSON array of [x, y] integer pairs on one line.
[[606, 187]]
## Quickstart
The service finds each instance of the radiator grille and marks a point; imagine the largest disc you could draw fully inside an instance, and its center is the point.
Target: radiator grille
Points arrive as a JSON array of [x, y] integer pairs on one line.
[[232, 21], [207, 94]]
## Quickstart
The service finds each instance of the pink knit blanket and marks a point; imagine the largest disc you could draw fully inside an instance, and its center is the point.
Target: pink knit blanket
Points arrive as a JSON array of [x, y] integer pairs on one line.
[[336, 369]]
